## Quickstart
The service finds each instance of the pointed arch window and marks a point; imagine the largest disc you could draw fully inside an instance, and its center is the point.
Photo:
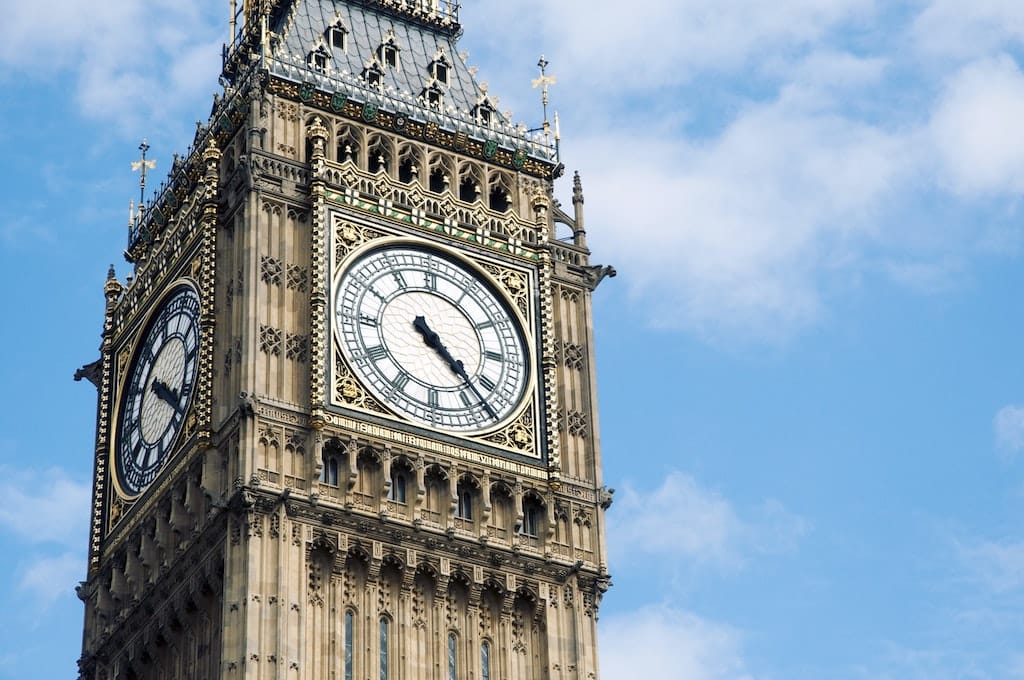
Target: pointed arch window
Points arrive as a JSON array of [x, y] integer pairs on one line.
[[532, 515], [464, 509], [453, 657], [384, 661], [485, 661], [398, 486], [329, 471], [349, 623]]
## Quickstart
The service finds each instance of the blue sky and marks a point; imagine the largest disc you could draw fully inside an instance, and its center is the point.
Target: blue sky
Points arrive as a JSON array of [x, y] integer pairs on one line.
[[812, 398]]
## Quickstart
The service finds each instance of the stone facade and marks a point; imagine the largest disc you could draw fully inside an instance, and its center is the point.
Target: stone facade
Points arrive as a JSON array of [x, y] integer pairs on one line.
[[300, 528]]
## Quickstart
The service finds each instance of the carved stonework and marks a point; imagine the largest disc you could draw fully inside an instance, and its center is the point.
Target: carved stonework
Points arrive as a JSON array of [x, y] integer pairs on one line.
[[297, 348], [574, 356], [271, 270], [349, 235], [270, 340]]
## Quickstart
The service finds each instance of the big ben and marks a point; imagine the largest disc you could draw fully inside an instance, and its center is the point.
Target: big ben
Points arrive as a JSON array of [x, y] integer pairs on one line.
[[347, 417]]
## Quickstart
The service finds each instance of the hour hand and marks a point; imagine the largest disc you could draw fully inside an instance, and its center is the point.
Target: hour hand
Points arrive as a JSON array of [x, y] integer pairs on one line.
[[163, 391]]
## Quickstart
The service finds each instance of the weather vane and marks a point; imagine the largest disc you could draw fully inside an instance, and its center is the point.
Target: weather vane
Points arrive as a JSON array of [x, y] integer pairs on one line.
[[543, 83], [142, 165]]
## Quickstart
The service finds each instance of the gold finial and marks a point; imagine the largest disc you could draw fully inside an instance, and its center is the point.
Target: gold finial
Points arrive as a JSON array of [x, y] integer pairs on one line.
[[143, 165]]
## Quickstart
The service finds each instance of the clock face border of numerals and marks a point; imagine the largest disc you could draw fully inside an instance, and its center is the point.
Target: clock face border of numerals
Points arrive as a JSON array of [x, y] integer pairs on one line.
[[157, 391], [396, 359]]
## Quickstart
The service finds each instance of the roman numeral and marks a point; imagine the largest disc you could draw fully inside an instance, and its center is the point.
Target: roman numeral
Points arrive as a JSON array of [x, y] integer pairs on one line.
[[377, 353], [432, 398], [400, 381], [367, 320], [487, 383], [495, 356]]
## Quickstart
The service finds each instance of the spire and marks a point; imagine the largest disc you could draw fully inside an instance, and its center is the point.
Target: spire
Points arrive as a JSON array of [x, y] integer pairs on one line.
[[579, 231]]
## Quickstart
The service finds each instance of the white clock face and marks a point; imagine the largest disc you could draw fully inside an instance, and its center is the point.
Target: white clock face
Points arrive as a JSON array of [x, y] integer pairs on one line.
[[158, 391], [431, 338]]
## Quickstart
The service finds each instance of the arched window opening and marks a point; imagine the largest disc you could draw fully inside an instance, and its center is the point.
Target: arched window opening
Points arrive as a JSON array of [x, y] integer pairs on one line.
[[437, 494], [385, 665], [349, 624], [453, 657], [485, 661], [329, 470], [438, 180], [348, 145], [499, 200], [407, 171], [379, 158], [469, 189], [466, 493], [397, 492], [370, 482], [501, 512], [533, 514]]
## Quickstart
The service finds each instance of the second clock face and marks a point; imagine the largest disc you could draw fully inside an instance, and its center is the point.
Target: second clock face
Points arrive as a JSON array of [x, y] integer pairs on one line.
[[158, 391], [431, 338]]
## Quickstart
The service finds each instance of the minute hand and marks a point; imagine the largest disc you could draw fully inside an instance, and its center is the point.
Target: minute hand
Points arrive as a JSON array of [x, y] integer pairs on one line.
[[433, 341]]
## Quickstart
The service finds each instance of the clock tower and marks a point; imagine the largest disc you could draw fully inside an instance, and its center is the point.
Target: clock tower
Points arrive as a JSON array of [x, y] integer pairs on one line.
[[347, 422]]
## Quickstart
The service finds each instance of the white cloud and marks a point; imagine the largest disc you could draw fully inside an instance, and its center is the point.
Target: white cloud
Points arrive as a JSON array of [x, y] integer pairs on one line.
[[997, 566], [668, 644], [48, 578], [958, 29], [976, 128], [1009, 428], [693, 526], [749, 159], [44, 507], [132, 66], [679, 519], [738, 232], [660, 43]]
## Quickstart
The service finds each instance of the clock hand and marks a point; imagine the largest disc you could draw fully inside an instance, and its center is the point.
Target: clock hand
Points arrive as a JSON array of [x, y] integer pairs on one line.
[[163, 391], [433, 341]]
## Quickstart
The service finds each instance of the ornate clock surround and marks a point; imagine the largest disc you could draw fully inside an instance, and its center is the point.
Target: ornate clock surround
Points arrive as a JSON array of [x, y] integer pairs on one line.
[[520, 437]]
